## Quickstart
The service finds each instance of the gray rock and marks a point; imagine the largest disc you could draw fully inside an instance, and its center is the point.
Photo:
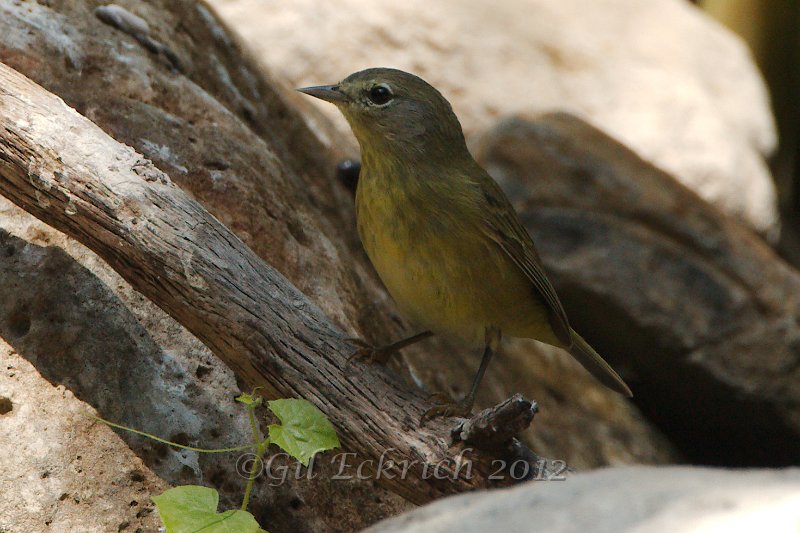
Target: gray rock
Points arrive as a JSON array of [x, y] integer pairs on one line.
[[618, 500]]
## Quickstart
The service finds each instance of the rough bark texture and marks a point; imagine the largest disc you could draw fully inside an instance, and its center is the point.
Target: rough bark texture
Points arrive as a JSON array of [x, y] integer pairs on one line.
[[496, 426], [698, 313]]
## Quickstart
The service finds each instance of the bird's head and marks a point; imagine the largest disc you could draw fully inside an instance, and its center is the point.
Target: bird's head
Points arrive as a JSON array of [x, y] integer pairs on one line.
[[393, 112]]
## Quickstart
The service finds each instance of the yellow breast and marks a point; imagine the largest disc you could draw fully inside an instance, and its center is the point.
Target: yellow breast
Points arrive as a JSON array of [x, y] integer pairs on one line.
[[443, 274]]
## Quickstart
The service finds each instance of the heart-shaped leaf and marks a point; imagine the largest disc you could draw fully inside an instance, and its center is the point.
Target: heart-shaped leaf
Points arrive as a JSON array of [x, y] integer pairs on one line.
[[190, 509], [304, 430]]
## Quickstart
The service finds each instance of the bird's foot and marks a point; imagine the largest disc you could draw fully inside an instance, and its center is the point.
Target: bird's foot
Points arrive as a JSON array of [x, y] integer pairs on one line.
[[446, 407], [369, 353]]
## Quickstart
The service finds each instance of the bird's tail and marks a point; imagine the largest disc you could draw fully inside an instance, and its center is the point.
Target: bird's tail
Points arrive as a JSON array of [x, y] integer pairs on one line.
[[596, 366]]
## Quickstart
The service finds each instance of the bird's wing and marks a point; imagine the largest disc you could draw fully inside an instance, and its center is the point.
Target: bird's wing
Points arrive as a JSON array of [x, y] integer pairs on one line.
[[502, 225]]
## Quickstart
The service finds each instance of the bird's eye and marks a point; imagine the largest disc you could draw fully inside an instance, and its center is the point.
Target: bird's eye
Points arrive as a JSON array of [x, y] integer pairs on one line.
[[380, 94]]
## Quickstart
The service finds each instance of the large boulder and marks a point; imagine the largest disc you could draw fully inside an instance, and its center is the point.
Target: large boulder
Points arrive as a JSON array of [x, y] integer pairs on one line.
[[615, 500], [61, 470], [666, 80]]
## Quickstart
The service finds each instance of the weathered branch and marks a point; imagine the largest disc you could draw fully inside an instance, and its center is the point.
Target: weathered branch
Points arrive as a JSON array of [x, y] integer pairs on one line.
[[496, 426], [63, 169]]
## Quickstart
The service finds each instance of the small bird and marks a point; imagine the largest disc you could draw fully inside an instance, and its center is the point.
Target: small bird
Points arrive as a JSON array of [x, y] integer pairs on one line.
[[442, 235]]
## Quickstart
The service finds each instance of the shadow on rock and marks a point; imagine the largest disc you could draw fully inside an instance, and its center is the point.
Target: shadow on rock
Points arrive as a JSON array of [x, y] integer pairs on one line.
[[77, 332]]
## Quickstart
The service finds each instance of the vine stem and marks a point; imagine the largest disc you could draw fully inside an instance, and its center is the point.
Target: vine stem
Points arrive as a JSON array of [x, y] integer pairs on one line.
[[261, 447], [164, 441]]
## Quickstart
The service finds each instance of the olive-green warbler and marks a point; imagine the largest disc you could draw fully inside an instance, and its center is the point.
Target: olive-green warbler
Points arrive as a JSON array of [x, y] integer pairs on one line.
[[441, 234]]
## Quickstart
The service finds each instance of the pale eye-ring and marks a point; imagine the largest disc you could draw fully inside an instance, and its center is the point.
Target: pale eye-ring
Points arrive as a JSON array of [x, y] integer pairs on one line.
[[380, 94]]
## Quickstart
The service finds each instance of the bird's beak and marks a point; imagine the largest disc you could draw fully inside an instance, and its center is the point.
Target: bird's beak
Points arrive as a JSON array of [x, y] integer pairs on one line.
[[329, 93]]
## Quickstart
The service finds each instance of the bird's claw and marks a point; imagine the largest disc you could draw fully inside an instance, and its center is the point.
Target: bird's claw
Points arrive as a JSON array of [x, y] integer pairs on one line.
[[366, 352], [448, 408], [440, 398]]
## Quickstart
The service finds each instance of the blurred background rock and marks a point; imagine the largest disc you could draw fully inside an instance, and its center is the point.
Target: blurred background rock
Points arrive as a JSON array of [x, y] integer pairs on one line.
[[772, 31], [660, 76]]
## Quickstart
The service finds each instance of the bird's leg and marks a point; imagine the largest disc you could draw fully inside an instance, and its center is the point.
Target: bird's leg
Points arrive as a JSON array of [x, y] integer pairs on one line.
[[382, 354], [464, 407], [461, 407]]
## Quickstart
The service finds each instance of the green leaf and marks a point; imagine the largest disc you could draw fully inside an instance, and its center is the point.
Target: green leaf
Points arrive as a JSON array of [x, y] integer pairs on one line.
[[304, 430], [193, 509]]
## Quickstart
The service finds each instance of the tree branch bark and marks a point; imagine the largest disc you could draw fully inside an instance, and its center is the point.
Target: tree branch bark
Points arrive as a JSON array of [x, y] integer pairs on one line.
[[63, 169], [495, 427]]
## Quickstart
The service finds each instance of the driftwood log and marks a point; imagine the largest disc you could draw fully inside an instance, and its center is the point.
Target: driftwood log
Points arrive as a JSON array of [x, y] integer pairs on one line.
[[63, 169]]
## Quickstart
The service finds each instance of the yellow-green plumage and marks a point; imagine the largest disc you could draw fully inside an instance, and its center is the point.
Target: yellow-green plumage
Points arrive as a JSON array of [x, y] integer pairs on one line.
[[427, 240], [441, 234]]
